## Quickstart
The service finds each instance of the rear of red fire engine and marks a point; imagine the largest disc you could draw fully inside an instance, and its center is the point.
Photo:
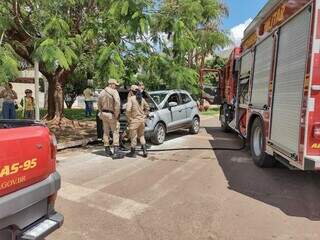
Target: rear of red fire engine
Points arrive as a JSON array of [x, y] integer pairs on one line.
[[271, 85]]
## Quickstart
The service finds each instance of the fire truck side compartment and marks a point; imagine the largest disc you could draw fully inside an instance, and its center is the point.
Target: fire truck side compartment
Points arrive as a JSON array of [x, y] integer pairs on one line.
[[261, 73], [289, 81]]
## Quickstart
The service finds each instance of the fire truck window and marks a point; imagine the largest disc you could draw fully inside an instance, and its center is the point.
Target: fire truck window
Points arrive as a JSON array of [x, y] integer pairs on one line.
[[236, 65], [244, 92], [245, 72], [246, 65]]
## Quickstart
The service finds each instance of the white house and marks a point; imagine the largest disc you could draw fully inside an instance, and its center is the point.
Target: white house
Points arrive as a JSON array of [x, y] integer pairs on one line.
[[24, 81]]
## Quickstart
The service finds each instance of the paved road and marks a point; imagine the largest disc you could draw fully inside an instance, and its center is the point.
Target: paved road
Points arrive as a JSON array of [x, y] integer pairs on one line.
[[207, 195]]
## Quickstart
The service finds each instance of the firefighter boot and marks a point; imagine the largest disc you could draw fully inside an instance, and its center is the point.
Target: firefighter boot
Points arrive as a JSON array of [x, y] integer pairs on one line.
[[132, 153], [108, 152], [117, 153], [144, 151]]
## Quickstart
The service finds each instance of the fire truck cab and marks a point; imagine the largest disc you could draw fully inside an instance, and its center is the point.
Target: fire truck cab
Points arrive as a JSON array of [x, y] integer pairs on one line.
[[271, 85]]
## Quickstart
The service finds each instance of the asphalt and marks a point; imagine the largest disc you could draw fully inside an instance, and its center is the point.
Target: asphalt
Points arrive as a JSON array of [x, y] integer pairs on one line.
[[207, 195]]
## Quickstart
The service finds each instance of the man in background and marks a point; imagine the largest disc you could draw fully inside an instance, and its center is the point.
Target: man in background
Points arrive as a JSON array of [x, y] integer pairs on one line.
[[9, 97], [28, 105], [88, 100]]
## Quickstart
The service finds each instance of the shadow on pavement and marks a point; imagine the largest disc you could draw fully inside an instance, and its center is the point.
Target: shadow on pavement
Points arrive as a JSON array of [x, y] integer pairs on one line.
[[99, 153], [126, 147], [296, 193]]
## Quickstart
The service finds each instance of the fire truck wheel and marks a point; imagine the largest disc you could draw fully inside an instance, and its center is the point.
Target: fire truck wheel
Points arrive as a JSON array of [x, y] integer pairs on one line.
[[257, 146]]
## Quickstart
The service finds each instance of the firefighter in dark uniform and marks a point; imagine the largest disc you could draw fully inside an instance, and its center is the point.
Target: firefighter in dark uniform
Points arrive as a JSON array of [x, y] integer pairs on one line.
[[142, 90]]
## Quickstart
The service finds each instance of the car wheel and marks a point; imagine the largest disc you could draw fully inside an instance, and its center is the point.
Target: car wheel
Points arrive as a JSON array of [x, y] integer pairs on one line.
[[257, 146], [159, 134], [195, 127]]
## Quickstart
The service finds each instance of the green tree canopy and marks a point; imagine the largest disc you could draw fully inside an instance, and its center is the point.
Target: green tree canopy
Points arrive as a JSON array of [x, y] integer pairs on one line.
[[9, 68], [186, 32], [68, 34], [125, 39]]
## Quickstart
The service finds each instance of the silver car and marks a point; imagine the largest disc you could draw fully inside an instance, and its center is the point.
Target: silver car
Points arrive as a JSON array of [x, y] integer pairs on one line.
[[175, 109], [169, 111]]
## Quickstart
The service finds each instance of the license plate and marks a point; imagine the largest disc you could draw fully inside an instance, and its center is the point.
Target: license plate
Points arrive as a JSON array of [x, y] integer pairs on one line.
[[317, 166], [40, 229]]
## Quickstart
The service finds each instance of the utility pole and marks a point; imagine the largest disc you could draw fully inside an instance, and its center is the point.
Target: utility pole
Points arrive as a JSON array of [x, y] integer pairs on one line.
[[1, 38], [36, 83]]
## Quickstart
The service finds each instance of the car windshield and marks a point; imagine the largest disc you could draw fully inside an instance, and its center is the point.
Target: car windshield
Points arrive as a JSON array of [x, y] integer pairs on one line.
[[158, 97], [152, 105], [124, 97]]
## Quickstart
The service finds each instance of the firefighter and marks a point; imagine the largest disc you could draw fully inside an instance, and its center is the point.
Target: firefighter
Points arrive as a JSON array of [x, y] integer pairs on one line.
[[109, 113], [137, 111], [141, 86], [142, 90]]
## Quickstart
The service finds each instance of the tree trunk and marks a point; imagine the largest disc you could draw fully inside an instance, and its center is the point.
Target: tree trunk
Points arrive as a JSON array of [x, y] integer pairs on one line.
[[201, 79], [202, 61], [190, 59], [59, 101], [45, 81], [51, 106], [55, 95]]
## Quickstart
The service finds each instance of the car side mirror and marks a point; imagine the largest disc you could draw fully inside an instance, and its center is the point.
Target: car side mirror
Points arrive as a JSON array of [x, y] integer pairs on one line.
[[172, 104]]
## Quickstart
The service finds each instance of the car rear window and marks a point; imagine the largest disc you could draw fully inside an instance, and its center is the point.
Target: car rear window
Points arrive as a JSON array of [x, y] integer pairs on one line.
[[185, 98]]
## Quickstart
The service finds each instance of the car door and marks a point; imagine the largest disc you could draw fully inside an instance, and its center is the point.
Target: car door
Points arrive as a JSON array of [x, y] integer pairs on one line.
[[188, 105], [175, 115]]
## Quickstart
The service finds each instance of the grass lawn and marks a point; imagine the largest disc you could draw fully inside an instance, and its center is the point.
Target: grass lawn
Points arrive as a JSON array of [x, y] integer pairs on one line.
[[211, 112], [72, 114], [78, 114]]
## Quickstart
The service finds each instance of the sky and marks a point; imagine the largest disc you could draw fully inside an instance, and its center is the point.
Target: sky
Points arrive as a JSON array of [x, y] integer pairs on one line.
[[241, 13]]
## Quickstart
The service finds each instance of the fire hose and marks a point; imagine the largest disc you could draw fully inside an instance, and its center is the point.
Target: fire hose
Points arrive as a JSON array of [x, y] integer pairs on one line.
[[199, 149], [242, 147]]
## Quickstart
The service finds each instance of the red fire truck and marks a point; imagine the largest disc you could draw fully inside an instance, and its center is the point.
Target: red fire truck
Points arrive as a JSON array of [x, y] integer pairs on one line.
[[271, 85]]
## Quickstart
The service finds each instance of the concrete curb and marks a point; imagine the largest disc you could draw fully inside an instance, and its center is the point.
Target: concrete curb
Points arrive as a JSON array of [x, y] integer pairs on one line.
[[76, 143]]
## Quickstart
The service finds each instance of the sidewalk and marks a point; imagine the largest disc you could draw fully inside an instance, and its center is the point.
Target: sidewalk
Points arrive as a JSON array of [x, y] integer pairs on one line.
[[69, 137]]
